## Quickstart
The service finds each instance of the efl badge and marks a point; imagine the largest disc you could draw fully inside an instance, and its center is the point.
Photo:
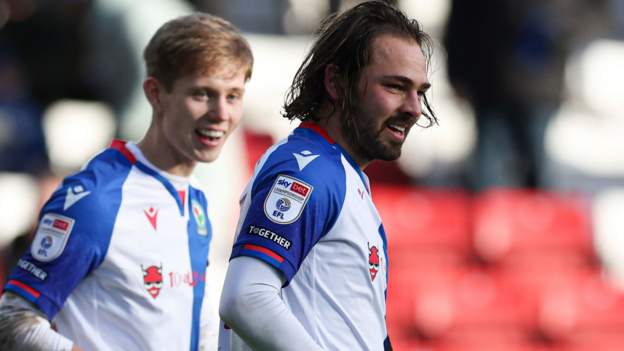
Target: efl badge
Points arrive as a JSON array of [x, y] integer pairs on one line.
[[200, 218], [152, 279], [373, 261], [286, 200], [51, 237]]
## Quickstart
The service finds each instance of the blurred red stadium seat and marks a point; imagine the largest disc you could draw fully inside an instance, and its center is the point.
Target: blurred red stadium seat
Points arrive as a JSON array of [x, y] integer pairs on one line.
[[522, 224], [255, 144], [416, 219], [457, 302], [537, 286], [580, 309], [480, 344], [414, 288], [597, 342], [387, 172]]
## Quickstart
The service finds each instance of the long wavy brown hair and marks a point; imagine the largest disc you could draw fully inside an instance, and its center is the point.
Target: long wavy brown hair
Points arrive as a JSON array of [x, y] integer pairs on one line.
[[345, 40]]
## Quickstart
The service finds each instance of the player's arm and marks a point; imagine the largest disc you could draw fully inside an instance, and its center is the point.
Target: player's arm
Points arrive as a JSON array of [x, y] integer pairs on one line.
[[285, 211], [251, 305], [24, 327], [66, 247]]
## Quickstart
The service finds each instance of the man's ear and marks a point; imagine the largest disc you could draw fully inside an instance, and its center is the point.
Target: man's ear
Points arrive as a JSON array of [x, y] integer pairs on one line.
[[152, 90], [332, 81]]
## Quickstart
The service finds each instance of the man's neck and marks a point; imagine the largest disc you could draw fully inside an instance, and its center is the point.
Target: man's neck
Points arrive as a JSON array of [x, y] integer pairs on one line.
[[161, 154], [333, 126]]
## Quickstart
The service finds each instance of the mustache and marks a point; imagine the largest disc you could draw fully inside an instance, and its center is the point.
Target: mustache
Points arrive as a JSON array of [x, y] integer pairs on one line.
[[403, 118]]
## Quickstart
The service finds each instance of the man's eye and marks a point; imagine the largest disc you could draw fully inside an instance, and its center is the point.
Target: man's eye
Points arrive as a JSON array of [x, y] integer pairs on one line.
[[200, 95], [394, 87]]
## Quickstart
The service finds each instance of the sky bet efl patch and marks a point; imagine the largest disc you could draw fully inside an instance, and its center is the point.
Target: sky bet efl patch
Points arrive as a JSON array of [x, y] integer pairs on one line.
[[51, 237], [286, 200]]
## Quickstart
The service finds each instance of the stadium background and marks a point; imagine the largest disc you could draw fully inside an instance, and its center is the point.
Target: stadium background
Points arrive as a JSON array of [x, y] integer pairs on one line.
[[494, 269]]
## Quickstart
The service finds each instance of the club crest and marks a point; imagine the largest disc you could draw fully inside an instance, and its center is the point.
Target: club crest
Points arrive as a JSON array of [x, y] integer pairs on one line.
[[200, 217], [153, 279], [373, 261]]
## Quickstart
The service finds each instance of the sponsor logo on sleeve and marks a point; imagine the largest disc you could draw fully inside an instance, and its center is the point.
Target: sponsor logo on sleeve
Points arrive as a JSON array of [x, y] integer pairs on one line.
[[270, 235], [51, 237], [287, 199], [32, 269]]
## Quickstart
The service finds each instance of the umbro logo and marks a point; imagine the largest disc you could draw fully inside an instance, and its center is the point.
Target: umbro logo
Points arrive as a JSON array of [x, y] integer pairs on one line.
[[152, 216], [74, 194], [304, 158]]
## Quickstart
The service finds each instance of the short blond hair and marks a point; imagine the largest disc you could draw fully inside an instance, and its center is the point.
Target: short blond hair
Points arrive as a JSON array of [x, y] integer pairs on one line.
[[196, 43]]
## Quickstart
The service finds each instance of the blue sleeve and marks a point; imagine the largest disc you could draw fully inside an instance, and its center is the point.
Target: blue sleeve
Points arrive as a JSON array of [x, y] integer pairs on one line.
[[290, 210], [71, 239]]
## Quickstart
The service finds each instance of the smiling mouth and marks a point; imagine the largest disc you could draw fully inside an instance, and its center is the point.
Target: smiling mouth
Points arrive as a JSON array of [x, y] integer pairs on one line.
[[398, 131], [397, 128], [210, 135]]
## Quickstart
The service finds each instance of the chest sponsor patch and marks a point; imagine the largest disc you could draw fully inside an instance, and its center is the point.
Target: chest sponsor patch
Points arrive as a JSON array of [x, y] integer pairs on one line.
[[51, 237], [287, 199]]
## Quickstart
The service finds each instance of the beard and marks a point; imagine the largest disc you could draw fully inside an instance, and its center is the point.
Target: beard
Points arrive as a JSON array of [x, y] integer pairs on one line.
[[363, 133]]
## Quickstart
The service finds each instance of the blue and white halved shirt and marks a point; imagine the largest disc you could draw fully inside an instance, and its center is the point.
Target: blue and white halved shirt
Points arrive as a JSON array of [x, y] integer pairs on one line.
[[308, 212], [119, 257]]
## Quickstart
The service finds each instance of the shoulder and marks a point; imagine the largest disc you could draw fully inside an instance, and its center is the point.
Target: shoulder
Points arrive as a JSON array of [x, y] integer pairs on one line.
[[316, 164], [299, 176], [80, 214], [93, 187]]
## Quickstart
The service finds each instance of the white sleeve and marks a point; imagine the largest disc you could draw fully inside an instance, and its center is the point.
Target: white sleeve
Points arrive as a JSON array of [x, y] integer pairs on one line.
[[251, 305], [23, 327]]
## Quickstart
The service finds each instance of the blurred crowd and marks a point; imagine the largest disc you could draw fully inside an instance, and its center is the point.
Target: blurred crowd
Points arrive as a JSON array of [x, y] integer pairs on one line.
[[525, 91]]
